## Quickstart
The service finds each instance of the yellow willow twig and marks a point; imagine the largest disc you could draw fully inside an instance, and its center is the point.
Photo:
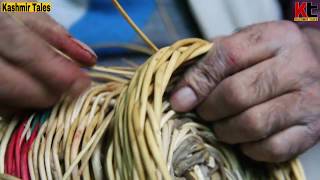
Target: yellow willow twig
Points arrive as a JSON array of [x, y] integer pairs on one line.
[[134, 26]]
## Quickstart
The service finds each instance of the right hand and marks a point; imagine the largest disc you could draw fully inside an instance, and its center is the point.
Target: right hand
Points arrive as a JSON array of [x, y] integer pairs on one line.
[[32, 73]]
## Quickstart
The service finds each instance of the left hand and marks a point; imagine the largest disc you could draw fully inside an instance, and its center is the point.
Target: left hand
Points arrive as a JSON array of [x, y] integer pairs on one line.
[[261, 87]]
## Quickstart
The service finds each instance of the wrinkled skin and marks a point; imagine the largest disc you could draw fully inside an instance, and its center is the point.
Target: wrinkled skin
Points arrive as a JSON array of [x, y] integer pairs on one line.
[[32, 73], [261, 89]]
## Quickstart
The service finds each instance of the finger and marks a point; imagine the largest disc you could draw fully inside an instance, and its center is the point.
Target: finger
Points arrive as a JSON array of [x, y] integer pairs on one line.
[[284, 145], [250, 87], [229, 55], [29, 52], [19, 90], [57, 36], [265, 119]]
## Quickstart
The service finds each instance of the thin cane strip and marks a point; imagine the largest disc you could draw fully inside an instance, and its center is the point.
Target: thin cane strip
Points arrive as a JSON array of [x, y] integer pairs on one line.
[[3, 129], [91, 144], [96, 164], [124, 68], [35, 150], [48, 143], [115, 139], [8, 177], [157, 155], [127, 120], [87, 156], [114, 71], [67, 123], [85, 171], [52, 149], [82, 109], [55, 154], [41, 164], [132, 47], [118, 141], [171, 145], [186, 54], [128, 158], [154, 124], [297, 168], [144, 93], [169, 71], [157, 104], [77, 137], [107, 77], [135, 150], [5, 140], [30, 165], [109, 163], [134, 26], [89, 132], [26, 128], [138, 130], [64, 113]]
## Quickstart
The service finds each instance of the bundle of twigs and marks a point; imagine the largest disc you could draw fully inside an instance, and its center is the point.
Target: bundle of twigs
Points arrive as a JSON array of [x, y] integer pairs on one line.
[[124, 128]]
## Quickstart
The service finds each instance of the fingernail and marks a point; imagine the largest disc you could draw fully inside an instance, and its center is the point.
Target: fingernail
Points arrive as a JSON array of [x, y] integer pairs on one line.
[[78, 87], [85, 47], [184, 99]]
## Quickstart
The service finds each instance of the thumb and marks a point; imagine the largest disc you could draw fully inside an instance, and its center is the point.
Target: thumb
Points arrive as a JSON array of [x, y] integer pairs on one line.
[[203, 77], [229, 55]]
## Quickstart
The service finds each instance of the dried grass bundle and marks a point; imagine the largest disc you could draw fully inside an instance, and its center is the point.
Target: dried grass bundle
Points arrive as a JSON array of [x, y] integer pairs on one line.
[[124, 128]]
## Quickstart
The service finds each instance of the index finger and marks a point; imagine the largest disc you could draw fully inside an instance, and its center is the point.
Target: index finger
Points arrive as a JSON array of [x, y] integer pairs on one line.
[[55, 34]]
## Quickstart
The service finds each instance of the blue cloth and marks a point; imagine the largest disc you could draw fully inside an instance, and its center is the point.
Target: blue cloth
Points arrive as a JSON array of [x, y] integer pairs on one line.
[[98, 22], [103, 23]]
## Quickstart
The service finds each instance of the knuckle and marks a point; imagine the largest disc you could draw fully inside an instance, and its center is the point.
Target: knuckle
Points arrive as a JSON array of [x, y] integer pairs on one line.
[[253, 35], [288, 25], [253, 124], [265, 84], [312, 131], [229, 51], [292, 31], [233, 93], [26, 62], [277, 151], [199, 80]]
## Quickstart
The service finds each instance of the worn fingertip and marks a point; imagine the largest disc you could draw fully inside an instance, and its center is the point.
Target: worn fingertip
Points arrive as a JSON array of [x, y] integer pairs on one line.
[[184, 99]]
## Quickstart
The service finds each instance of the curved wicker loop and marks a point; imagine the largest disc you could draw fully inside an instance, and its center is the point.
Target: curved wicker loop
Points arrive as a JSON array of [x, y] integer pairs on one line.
[[151, 141]]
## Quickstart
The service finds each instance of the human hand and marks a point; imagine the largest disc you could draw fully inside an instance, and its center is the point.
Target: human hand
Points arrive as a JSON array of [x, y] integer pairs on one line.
[[32, 73], [261, 88]]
